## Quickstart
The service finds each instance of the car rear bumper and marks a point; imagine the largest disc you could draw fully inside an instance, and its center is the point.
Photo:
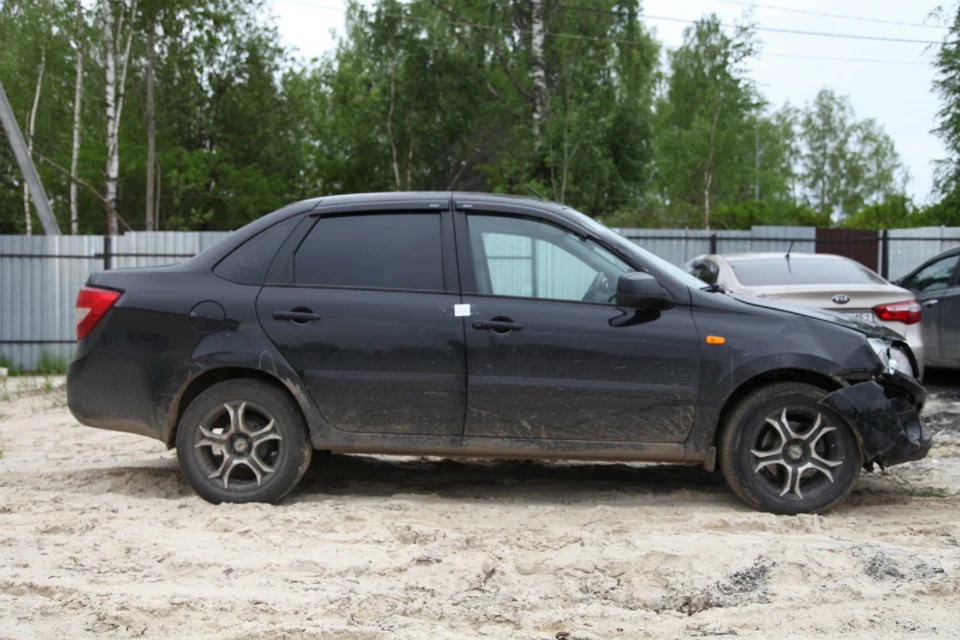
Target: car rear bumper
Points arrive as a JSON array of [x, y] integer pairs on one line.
[[110, 392], [885, 414]]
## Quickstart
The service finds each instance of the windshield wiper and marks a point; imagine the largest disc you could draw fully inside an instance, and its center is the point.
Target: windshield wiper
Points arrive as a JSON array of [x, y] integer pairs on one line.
[[716, 287]]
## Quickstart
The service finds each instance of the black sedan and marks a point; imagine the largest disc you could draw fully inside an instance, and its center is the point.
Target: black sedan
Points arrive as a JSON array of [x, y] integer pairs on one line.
[[477, 325], [936, 283]]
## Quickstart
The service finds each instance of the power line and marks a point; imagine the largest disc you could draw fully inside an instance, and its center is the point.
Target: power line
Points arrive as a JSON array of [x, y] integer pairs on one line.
[[572, 36], [823, 34], [829, 59], [838, 16], [646, 16]]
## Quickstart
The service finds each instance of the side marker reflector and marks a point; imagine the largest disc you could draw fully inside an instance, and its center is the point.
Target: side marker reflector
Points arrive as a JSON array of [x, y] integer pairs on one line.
[[716, 340]]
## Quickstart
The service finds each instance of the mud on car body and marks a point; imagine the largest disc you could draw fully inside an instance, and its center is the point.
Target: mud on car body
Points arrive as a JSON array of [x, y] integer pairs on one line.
[[477, 325]]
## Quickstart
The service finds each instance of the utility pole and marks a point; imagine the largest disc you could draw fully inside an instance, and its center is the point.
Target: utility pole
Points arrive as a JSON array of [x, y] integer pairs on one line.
[[30, 175], [756, 166]]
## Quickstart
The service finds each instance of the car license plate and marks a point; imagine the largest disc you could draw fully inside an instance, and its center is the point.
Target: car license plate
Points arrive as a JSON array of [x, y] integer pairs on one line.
[[863, 316]]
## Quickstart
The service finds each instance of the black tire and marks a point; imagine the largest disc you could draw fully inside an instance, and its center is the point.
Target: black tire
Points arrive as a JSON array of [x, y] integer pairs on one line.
[[760, 456], [243, 441]]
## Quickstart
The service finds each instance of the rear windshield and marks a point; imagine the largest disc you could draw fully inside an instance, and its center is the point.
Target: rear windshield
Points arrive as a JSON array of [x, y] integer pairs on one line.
[[765, 272]]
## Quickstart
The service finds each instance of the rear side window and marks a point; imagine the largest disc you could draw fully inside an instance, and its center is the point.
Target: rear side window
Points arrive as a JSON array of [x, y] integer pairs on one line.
[[384, 251], [248, 263], [763, 272]]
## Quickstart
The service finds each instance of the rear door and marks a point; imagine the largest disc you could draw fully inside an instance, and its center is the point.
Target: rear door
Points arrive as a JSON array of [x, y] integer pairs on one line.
[[364, 312], [936, 289], [550, 356]]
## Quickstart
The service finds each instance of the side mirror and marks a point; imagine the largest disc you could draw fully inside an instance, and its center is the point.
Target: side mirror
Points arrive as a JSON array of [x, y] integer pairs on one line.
[[642, 291]]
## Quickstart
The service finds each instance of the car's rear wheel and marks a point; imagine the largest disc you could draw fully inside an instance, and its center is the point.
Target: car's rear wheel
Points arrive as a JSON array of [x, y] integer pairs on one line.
[[243, 441], [780, 451]]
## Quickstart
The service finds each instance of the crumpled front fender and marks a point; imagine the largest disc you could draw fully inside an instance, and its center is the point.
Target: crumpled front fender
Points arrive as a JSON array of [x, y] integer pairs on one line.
[[885, 415]]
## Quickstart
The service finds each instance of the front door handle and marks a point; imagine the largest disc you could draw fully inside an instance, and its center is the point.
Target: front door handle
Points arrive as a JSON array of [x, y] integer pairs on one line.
[[498, 325], [931, 303], [300, 315]]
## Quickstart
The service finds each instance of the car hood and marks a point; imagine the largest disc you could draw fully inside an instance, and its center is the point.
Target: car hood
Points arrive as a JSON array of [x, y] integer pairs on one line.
[[866, 328]]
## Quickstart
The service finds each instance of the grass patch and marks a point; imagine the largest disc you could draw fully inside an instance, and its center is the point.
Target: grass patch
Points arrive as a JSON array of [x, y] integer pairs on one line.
[[928, 492], [12, 369], [47, 365]]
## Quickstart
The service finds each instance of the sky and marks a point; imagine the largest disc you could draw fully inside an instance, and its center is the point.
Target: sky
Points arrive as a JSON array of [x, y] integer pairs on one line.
[[890, 82]]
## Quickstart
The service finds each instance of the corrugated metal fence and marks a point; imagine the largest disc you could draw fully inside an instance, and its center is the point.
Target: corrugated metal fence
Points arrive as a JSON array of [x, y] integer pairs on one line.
[[40, 275]]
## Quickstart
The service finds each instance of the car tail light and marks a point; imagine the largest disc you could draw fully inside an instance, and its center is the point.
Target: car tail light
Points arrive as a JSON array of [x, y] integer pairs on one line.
[[92, 304], [907, 312]]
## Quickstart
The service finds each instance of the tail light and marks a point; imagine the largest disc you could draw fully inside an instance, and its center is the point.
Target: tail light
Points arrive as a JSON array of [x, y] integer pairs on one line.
[[907, 312], [92, 305]]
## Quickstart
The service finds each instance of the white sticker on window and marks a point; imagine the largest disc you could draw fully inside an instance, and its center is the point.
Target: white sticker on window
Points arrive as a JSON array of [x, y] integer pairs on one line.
[[461, 310]]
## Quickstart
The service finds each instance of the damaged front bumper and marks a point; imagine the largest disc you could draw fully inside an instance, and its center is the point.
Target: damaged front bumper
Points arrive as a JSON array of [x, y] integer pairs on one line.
[[885, 415]]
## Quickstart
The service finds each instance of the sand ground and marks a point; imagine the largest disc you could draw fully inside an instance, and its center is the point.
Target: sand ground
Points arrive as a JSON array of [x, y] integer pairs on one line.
[[100, 537]]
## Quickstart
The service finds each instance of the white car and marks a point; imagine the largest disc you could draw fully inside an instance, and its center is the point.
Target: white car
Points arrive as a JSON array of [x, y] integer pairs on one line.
[[819, 280]]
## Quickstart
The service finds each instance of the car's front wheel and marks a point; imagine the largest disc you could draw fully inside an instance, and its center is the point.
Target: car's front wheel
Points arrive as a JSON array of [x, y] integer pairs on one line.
[[243, 441], [780, 451]]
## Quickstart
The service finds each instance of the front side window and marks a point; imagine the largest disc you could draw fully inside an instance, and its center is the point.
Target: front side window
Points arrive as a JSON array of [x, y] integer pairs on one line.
[[532, 259], [383, 251], [933, 276]]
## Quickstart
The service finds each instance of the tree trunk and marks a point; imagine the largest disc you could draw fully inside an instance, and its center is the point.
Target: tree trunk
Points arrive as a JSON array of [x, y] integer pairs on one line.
[[75, 149], [708, 168], [114, 87], [156, 206], [31, 123], [393, 143], [539, 72], [113, 164], [151, 131]]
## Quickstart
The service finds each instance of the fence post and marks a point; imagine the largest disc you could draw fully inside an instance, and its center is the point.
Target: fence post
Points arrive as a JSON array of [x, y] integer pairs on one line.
[[885, 254], [107, 242], [713, 244]]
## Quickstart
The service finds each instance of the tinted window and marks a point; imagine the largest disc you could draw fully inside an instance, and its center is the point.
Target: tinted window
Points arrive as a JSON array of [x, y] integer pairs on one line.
[[388, 251], [525, 258], [933, 276], [761, 272], [248, 263]]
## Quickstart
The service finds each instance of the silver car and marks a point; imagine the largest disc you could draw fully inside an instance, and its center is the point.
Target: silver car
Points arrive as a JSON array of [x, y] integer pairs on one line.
[[819, 280]]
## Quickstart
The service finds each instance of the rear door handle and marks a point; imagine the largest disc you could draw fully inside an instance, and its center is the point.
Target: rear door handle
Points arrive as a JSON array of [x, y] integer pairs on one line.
[[498, 325], [297, 316], [931, 303]]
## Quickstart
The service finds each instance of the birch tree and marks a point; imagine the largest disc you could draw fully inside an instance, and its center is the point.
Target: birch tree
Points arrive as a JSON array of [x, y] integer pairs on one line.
[[707, 119], [31, 126], [77, 111], [151, 126], [538, 70], [117, 38], [845, 163]]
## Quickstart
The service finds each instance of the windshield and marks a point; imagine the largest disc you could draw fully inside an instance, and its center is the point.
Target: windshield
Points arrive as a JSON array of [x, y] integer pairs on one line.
[[637, 252], [768, 272]]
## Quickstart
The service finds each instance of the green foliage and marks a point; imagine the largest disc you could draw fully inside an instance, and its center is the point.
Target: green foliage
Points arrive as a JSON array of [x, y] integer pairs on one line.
[[747, 214], [947, 86], [47, 365], [6, 363], [712, 128], [440, 96], [894, 212], [845, 164]]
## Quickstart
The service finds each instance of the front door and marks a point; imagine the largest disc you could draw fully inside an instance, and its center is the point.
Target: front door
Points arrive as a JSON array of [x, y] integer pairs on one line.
[[550, 356], [937, 293], [369, 324]]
